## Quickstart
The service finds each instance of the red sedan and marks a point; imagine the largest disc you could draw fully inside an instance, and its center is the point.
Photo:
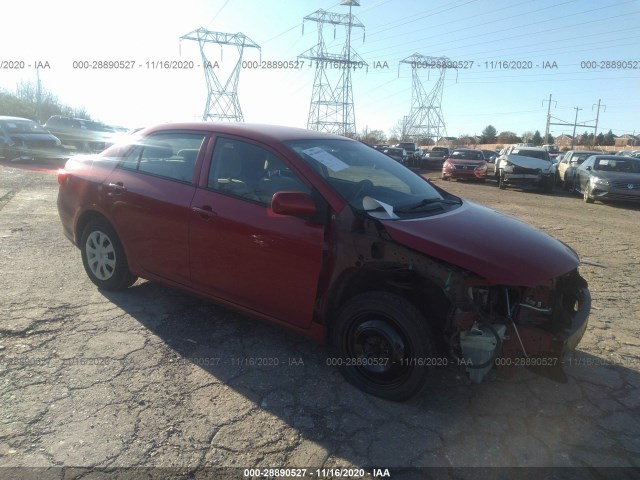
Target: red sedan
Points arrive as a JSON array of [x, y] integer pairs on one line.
[[465, 164], [328, 237]]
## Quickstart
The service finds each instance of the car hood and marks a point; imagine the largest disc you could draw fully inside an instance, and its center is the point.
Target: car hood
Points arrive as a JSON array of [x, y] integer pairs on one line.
[[529, 162], [618, 176], [493, 245]]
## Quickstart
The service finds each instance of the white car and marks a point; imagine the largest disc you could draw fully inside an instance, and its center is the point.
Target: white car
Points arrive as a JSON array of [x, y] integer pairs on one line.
[[526, 166]]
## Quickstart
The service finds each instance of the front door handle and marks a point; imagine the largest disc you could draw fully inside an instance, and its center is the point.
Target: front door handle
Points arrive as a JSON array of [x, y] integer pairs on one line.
[[205, 211], [117, 187]]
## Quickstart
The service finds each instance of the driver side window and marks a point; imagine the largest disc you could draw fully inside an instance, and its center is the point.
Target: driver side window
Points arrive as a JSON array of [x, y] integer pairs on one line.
[[250, 172]]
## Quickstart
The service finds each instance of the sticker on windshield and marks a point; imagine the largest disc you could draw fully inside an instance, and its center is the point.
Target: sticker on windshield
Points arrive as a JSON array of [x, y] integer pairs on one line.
[[332, 163], [604, 161]]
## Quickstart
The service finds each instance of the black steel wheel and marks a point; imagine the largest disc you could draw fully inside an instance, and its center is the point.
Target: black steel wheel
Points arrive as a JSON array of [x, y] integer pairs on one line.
[[103, 257], [380, 343]]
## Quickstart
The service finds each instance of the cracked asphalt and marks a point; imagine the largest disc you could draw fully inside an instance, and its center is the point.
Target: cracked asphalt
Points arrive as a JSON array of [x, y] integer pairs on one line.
[[151, 377]]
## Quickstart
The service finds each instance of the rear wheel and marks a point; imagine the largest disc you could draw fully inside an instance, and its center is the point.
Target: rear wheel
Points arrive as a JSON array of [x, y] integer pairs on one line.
[[103, 257], [380, 341]]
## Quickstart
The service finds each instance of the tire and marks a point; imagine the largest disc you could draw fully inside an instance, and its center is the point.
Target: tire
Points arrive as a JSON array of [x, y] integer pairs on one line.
[[501, 181], [586, 195], [388, 331], [547, 187], [103, 257]]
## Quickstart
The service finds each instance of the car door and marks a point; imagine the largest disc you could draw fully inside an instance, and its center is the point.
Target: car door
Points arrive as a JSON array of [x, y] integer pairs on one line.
[[150, 194], [243, 253]]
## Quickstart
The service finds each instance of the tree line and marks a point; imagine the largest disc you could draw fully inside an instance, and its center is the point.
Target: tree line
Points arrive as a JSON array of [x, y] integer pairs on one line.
[[28, 102]]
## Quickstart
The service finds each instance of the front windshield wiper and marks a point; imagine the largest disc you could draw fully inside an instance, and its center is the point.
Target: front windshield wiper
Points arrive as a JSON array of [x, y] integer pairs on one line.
[[424, 202]]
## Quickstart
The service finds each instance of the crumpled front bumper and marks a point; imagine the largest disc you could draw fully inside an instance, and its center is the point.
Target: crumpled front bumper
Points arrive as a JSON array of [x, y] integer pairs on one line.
[[567, 340]]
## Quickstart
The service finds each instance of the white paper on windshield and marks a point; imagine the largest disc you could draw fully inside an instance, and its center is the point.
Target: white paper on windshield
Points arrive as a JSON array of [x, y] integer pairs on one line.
[[370, 203], [332, 163]]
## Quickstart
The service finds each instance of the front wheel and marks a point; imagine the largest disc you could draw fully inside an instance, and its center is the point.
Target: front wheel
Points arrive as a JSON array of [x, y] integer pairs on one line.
[[103, 257], [380, 341], [502, 184]]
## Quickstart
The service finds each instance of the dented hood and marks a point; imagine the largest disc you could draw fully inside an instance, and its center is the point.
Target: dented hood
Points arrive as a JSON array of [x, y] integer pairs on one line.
[[529, 162], [492, 245]]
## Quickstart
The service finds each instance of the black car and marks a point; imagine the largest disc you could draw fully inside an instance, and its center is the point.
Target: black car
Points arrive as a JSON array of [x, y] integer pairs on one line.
[[398, 154], [609, 177], [24, 139]]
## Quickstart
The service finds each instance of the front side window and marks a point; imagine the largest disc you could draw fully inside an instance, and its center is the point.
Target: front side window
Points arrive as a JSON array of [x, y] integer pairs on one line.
[[251, 172], [169, 155], [369, 180]]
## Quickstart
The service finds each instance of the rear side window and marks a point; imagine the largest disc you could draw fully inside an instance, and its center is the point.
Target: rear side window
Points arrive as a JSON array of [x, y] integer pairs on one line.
[[168, 155]]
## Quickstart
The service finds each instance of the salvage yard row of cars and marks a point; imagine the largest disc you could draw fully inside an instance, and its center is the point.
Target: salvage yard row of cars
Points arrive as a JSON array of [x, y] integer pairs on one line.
[[330, 238], [59, 137], [595, 175]]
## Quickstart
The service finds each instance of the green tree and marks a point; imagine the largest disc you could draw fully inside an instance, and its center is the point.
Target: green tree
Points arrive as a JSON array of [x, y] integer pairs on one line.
[[609, 139], [489, 134], [537, 138], [508, 137], [600, 139]]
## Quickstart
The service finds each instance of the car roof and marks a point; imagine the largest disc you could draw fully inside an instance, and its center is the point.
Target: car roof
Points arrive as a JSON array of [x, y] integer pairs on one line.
[[612, 157], [256, 131], [539, 149], [2, 117]]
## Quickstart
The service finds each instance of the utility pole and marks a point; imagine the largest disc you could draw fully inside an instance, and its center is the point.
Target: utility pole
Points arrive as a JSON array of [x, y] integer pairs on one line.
[[332, 108], [575, 124], [425, 118], [595, 130], [38, 95], [222, 99], [546, 132]]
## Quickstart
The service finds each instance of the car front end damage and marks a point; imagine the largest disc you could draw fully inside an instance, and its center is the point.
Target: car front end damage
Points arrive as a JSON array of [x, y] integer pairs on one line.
[[481, 314], [525, 171]]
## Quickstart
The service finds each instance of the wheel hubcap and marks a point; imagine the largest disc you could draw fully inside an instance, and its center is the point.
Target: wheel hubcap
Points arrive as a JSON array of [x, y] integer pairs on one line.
[[101, 255]]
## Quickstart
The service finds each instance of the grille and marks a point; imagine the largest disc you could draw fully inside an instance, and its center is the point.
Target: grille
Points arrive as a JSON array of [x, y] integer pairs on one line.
[[527, 171], [625, 185]]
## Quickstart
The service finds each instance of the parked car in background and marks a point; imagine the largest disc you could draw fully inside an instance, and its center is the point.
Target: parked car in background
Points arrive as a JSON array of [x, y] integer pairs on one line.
[[609, 177], [526, 167], [86, 136], [398, 154], [414, 154], [24, 139], [490, 156], [553, 150], [436, 157], [330, 238], [566, 169], [465, 164], [381, 146]]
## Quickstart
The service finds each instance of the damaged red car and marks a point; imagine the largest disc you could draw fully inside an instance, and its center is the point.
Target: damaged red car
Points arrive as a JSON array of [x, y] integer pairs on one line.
[[331, 238]]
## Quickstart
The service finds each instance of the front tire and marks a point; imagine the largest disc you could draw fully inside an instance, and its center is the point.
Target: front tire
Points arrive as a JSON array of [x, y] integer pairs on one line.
[[380, 342], [103, 256], [502, 184]]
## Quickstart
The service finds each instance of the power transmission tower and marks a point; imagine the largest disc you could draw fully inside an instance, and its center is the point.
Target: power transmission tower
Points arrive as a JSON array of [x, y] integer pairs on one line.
[[331, 108], [222, 99], [425, 119]]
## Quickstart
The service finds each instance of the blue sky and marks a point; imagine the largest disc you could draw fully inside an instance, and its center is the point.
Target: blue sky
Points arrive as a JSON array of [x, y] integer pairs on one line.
[[565, 32]]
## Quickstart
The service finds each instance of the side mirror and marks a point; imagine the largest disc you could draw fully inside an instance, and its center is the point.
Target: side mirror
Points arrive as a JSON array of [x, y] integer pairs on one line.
[[297, 204], [587, 168]]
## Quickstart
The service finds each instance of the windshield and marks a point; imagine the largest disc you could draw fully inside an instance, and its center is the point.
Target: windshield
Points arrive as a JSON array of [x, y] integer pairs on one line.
[[365, 177], [466, 155], [629, 165], [21, 126]]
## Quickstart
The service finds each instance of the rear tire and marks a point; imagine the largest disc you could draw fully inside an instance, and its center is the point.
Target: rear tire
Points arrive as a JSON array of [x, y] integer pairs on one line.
[[103, 256], [379, 342]]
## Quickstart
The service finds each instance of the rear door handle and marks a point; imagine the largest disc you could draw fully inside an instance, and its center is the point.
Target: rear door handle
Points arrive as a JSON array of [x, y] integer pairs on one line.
[[205, 211], [117, 187]]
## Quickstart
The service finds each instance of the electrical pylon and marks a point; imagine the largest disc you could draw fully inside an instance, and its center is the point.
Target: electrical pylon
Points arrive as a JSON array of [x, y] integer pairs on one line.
[[331, 108], [222, 100], [425, 119]]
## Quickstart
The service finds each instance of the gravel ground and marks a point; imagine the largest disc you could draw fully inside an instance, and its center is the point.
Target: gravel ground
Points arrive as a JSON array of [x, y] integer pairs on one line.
[[152, 377]]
